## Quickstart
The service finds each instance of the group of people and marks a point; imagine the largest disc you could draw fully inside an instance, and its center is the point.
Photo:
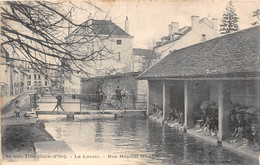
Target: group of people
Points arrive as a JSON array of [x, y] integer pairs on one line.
[[120, 97], [207, 118], [157, 111], [209, 123], [175, 116], [34, 105], [242, 124], [244, 131]]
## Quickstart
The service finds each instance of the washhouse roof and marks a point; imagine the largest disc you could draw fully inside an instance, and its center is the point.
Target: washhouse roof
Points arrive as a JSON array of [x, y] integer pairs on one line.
[[231, 55]]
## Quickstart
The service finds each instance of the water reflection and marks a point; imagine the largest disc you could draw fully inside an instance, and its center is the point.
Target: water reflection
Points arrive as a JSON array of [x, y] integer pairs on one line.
[[153, 142]]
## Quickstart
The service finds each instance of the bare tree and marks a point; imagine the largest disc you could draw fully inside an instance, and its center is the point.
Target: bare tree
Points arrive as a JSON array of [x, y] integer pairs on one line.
[[150, 58], [256, 15], [34, 32]]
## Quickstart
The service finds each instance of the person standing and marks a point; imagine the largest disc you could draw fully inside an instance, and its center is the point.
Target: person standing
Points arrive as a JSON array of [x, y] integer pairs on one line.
[[34, 99], [59, 98], [118, 97], [124, 94], [99, 97], [17, 109]]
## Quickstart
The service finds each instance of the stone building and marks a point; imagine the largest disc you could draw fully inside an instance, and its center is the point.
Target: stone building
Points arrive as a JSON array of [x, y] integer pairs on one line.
[[112, 44], [12, 78], [37, 80], [199, 31]]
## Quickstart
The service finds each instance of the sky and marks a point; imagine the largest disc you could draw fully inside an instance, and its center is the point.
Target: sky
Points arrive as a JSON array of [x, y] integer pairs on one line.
[[149, 20]]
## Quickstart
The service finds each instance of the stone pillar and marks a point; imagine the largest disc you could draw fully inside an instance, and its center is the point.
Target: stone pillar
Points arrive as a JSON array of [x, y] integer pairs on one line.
[[166, 99], [223, 110], [148, 112], [188, 105], [258, 100]]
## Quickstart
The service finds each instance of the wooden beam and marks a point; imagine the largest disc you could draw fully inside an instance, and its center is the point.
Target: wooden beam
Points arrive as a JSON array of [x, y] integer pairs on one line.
[[204, 78]]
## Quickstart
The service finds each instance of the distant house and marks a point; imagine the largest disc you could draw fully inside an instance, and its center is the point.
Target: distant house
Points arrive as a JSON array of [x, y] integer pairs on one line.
[[142, 59], [199, 31], [116, 45], [224, 70], [112, 48], [36, 80], [12, 76]]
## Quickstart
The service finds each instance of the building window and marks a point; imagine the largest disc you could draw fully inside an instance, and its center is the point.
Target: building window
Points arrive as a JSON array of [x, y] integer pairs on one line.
[[203, 37], [35, 83], [46, 83], [28, 82], [39, 77], [35, 77], [29, 77], [46, 77], [39, 83], [119, 42]]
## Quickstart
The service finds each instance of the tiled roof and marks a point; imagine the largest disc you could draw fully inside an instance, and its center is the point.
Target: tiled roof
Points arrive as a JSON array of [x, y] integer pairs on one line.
[[104, 27], [232, 55], [183, 31], [118, 75], [143, 52], [107, 27]]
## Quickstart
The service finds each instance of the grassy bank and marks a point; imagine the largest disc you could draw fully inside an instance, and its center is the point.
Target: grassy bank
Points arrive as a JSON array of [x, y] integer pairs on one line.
[[20, 134], [19, 139]]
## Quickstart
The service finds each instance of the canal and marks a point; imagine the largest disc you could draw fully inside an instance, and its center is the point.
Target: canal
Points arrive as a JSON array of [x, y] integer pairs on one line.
[[135, 139]]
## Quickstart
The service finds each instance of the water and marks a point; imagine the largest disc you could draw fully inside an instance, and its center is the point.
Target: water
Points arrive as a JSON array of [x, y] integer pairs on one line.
[[137, 140]]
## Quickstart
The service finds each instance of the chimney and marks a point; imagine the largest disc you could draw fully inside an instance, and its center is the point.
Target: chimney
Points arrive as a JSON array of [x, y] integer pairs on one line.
[[158, 43], [194, 21], [215, 24], [89, 19], [175, 27], [126, 25], [170, 31], [162, 40]]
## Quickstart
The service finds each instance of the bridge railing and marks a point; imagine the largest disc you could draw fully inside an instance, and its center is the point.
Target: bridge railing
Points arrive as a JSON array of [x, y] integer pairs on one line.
[[90, 101]]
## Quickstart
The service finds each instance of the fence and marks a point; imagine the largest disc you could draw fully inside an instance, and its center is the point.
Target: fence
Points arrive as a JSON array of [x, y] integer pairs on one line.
[[89, 101]]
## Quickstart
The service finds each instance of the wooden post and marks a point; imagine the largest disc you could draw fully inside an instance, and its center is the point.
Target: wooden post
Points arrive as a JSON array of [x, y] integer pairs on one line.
[[223, 110], [148, 98], [258, 99], [188, 105], [80, 104], [166, 99]]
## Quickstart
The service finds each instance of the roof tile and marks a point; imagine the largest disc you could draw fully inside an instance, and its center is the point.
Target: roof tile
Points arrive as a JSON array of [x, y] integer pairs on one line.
[[226, 55]]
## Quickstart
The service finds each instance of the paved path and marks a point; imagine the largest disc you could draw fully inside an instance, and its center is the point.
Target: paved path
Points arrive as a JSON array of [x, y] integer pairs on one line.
[[8, 118]]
